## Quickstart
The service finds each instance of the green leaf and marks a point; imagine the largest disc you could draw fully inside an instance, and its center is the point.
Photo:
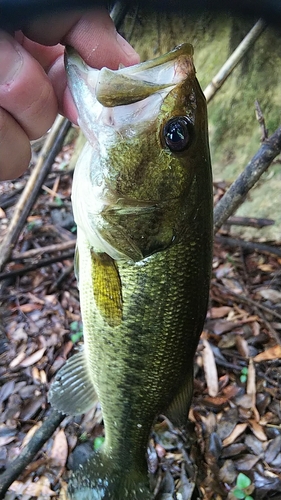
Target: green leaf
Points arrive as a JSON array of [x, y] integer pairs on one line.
[[238, 493], [75, 337], [248, 497], [98, 442], [242, 481], [58, 201], [244, 370], [74, 326], [243, 378]]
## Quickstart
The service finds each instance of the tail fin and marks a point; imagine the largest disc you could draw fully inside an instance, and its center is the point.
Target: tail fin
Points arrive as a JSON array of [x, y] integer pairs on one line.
[[101, 479]]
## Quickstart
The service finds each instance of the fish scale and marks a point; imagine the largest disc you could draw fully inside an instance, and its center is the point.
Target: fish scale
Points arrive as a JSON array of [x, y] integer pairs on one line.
[[143, 263]]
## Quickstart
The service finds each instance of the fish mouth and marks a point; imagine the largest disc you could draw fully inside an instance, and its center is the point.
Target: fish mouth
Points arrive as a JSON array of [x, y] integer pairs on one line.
[[128, 85], [113, 98]]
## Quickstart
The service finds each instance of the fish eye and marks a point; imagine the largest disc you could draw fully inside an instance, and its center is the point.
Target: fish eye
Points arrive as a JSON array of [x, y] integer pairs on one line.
[[178, 133]]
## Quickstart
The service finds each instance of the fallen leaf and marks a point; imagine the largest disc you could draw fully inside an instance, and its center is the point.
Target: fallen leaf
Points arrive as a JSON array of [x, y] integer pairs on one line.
[[17, 360], [26, 308], [210, 369], [247, 462], [258, 430], [270, 294], [270, 353], [31, 360], [30, 434], [59, 451], [219, 312], [251, 379], [242, 346], [237, 431]]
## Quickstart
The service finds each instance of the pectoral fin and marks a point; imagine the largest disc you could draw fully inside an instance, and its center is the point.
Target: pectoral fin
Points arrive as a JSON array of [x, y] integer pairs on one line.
[[107, 288], [72, 391]]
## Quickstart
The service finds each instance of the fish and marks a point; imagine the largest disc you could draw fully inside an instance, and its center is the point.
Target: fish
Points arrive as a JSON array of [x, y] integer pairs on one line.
[[142, 202]]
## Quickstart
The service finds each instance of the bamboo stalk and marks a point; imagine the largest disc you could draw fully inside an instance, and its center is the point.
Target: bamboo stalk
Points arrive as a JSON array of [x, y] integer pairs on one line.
[[234, 59]]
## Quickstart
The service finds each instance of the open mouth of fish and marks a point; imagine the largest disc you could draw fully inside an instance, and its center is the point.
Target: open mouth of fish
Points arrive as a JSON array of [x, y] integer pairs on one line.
[[114, 98]]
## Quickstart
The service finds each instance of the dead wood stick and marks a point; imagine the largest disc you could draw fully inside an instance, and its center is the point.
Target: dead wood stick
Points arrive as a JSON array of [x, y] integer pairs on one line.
[[248, 245], [36, 265], [234, 59], [34, 252], [15, 468], [235, 195], [45, 161], [249, 222]]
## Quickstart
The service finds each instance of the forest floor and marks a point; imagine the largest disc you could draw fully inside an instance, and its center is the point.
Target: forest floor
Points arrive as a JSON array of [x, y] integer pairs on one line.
[[232, 447]]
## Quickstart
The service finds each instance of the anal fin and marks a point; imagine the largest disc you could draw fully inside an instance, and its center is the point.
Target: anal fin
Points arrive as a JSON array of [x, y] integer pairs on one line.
[[72, 391]]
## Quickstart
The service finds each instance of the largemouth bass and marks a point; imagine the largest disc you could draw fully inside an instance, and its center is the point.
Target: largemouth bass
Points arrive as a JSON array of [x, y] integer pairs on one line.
[[142, 201]]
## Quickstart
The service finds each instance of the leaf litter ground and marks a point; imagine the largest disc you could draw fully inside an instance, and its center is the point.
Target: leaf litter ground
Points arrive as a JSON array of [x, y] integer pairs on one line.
[[232, 445]]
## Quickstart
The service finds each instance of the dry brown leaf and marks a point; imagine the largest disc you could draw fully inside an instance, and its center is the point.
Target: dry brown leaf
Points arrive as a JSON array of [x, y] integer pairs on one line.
[[270, 294], [26, 308], [251, 379], [230, 391], [273, 352], [256, 328], [17, 360], [258, 430], [219, 312], [40, 488], [237, 431], [242, 346], [210, 369], [63, 491], [59, 451], [33, 358], [19, 487], [30, 434], [2, 214]]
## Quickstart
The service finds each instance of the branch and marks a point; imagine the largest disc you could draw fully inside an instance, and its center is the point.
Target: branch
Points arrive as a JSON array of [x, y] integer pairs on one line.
[[235, 195], [28, 453], [37, 265], [234, 59], [249, 222], [248, 245], [51, 148], [35, 252]]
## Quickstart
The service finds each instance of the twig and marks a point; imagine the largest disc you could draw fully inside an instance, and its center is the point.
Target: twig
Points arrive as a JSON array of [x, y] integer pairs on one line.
[[34, 252], [234, 59], [37, 265], [248, 245], [9, 199], [247, 300], [249, 222], [260, 118], [247, 179], [65, 273], [49, 151], [15, 468]]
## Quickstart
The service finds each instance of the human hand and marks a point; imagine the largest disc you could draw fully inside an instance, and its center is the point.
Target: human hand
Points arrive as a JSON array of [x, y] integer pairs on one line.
[[33, 84]]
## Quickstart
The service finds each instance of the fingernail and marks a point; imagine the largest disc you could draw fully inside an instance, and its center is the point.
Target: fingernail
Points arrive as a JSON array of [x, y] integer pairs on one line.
[[10, 60], [127, 48]]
